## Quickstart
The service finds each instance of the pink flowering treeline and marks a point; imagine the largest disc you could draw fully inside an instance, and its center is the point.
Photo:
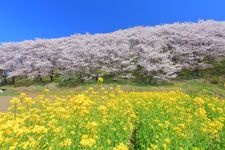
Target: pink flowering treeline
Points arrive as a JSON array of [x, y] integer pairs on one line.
[[150, 52]]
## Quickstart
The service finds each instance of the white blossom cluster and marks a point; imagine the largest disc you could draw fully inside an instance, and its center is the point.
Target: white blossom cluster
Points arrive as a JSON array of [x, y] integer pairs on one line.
[[153, 52]]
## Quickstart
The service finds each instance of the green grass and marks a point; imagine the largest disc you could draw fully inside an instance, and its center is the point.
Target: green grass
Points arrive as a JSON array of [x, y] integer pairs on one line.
[[11, 91], [193, 87]]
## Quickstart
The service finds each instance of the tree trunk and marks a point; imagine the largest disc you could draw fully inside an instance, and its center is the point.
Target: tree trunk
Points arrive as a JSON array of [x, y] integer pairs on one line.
[[82, 80], [5, 81], [150, 80], [96, 78], [51, 75], [51, 78], [40, 79], [13, 80], [196, 72]]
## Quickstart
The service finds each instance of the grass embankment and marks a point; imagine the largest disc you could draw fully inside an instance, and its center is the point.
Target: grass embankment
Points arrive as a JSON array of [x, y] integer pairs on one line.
[[193, 87]]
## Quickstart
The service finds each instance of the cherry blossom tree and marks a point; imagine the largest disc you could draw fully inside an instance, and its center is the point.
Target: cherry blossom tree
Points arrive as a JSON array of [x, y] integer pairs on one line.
[[158, 52]]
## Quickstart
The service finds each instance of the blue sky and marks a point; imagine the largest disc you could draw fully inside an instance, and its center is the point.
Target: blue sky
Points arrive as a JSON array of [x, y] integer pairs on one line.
[[30, 19]]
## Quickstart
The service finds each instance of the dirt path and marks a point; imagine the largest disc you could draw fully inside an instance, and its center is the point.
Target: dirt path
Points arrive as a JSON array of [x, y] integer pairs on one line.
[[4, 103]]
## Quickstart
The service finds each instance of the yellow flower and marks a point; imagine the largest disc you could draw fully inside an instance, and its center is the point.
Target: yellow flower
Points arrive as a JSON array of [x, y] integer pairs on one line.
[[153, 147], [90, 89], [66, 142], [12, 147], [46, 91], [167, 140], [100, 80], [92, 124], [28, 101], [23, 95], [202, 113], [102, 109], [199, 101], [87, 141], [121, 146], [181, 125], [39, 129], [109, 141], [44, 120], [15, 100]]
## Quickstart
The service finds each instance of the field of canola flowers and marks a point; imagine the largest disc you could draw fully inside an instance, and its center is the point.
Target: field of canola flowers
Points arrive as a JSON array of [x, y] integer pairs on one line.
[[111, 119]]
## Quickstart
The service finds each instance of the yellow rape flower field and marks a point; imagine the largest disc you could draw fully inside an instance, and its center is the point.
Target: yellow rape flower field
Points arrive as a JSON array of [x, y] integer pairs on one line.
[[111, 119]]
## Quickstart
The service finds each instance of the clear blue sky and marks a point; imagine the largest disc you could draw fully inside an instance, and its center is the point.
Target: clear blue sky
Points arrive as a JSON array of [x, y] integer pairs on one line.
[[29, 19]]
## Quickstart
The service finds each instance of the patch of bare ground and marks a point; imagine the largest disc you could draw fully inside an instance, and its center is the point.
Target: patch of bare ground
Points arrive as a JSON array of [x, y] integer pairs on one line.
[[4, 103]]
